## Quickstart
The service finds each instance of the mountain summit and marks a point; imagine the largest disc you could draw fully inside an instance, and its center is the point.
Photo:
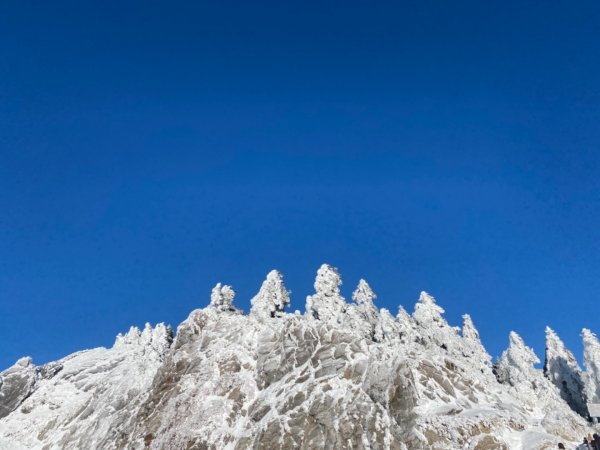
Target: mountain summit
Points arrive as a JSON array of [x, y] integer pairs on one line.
[[343, 375]]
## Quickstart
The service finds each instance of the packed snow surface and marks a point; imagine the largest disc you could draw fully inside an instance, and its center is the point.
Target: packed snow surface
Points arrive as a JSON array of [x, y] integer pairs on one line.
[[344, 375]]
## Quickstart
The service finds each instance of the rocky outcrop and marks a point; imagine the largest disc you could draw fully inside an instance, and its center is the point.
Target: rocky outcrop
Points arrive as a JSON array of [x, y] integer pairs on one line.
[[341, 376]]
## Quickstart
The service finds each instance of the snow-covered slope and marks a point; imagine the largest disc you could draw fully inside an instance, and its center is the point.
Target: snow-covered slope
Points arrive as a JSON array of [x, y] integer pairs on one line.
[[342, 375]]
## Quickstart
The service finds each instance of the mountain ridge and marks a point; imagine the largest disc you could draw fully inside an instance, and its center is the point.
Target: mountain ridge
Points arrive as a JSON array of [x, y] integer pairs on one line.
[[342, 375]]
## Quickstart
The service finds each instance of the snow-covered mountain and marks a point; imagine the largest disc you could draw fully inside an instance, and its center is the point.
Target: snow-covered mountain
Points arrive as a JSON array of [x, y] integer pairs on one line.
[[343, 375]]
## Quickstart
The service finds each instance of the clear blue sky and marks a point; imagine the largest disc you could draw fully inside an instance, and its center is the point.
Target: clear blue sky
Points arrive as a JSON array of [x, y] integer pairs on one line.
[[150, 149]]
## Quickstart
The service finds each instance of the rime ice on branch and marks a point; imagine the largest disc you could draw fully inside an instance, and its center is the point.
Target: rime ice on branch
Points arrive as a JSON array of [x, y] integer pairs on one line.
[[273, 297]]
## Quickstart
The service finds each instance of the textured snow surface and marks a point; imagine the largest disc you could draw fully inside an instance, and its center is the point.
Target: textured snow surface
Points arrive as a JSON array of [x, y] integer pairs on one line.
[[343, 375]]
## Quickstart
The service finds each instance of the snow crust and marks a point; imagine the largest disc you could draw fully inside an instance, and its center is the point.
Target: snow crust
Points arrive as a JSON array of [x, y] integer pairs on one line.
[[341, 376]]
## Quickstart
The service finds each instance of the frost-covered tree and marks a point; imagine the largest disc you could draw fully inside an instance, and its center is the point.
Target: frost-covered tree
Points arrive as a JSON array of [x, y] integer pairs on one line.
[[222, 297], [273, 297], [431, 324], [591, 361], [406, 325], [516, 365], [363, 297], [516, 370], [327, 303], [562, 369], [153, 342], [363, 294], [472, 346], [428, 312], [362, 315], [386, 327], [468, 329]]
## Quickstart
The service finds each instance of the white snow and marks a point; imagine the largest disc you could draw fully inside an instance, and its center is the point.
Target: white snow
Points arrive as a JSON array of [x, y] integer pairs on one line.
[[343, 375]]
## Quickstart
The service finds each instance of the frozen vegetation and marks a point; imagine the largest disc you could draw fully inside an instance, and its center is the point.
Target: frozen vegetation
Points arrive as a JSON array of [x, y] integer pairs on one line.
[[344, 375]]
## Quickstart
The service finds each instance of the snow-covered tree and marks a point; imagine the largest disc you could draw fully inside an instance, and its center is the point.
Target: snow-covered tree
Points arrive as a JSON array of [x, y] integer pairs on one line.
[[153, 342], [591, 361], [362, 315], [406, 325], [468, 329], [363, 294], [273, 297], [516, 365], [431, 324], [562, 369], [222, 297], [327, 303], [428, 312], [472, 346], [387, 327]]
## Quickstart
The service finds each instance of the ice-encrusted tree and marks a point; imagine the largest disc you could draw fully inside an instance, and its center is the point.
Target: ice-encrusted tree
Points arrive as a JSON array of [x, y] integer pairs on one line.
[[516, 365], [326, 304], [362, 315], [591, 361], [562, 369], [363, 294], [431, 324], [406, 325], [364, 297], [428, 312], [154, 341], [472, 346], [386, 327], [222, 297], [272, 298]]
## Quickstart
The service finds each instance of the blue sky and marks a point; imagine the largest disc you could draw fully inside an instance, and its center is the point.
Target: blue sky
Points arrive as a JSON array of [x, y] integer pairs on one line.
[[151, 149]]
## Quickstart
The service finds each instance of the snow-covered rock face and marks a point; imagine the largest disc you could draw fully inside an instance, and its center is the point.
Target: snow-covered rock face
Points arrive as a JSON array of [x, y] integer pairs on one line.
[[342, 376], [86, 400]]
